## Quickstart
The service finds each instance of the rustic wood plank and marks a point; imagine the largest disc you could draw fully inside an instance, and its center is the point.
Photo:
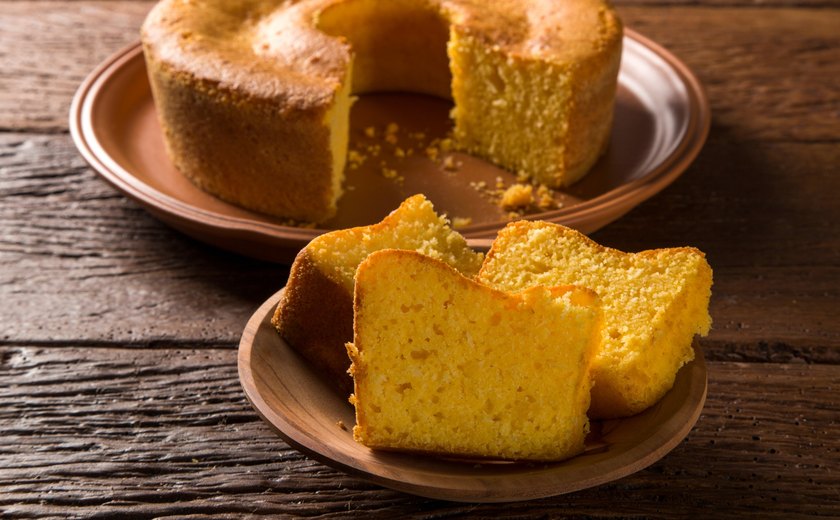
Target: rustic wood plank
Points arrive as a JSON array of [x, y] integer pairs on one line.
[[766, 216], [47, 48], [768, 72], [109, 431], [79, 262], [763, 67]]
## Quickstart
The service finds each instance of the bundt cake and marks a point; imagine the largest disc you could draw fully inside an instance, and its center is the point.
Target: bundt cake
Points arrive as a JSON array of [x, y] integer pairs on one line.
[[443, 364], [315, 314], [654, 303], [254, 96]]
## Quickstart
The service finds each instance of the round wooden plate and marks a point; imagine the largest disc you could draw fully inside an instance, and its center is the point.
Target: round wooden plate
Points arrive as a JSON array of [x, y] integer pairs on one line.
[[311, 417], [661, 122]]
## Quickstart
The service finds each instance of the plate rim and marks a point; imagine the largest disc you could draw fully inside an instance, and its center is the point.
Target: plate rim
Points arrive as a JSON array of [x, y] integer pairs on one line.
[[646, 453], [613, 203]]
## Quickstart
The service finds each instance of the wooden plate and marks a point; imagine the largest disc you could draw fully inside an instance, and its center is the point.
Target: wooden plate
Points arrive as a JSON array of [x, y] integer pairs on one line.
[[661, 122], [309, 415]]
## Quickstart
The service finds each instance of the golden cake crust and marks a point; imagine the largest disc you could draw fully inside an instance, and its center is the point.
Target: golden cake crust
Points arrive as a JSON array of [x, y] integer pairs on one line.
[[315, 315], [254, 95], [248, 46]]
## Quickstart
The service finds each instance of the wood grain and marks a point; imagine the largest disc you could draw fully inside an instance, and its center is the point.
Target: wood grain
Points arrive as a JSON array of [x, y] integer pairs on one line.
[[136, 433], [79, 261]]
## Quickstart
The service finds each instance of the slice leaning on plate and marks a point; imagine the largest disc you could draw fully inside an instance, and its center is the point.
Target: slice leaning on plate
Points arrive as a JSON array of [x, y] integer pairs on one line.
[[315, 314]]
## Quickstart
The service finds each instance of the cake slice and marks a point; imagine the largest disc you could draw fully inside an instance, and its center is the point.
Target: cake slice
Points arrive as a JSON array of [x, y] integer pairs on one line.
[[654, 303], [443, 364], [315, 314]]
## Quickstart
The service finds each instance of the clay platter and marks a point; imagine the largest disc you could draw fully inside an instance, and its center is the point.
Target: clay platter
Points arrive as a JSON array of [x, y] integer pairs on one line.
[[311, 417], [661, 122]]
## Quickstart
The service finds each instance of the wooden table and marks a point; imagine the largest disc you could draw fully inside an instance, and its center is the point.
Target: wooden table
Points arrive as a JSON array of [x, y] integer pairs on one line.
[[118, 335]]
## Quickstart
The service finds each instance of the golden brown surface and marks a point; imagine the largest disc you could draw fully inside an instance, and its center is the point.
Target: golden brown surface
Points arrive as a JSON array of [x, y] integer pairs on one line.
[[254, 96]]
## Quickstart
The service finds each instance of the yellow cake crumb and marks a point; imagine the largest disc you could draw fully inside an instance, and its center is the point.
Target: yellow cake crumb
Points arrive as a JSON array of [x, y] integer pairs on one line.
[[449, 163], [461, 222], [545, 197], [654, 303], [443, 364], [518, 196], [324, 270]]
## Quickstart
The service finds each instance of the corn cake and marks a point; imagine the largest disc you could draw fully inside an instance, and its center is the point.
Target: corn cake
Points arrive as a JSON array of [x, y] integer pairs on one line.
[[315, 314], [654, 303], [443, 364]]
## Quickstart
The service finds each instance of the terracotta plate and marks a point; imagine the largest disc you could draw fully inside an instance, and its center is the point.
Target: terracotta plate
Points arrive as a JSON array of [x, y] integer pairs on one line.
[[661, 122], [311, 417]]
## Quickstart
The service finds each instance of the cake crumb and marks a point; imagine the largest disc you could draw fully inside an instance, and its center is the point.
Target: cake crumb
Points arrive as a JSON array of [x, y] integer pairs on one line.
[[545, 197], [370, 131], [432, 152], [517, 196], [355, 158], [392, 128], [461, 222], [449, 163], [341, 425]]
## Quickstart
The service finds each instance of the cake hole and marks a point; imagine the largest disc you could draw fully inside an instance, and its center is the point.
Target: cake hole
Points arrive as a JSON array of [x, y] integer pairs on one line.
[[398, 46], [420, 354], [402, 387]]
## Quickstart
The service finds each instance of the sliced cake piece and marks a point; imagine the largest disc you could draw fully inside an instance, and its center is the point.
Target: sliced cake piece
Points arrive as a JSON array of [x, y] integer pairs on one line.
[[443, 364], [315, 314], [654, 303]]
